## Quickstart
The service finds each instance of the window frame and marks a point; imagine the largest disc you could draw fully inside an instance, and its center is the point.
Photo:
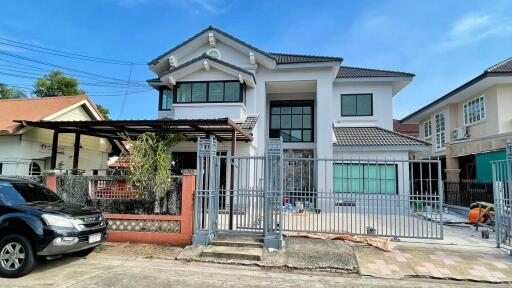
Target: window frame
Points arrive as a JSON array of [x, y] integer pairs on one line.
[[357, 94], [241, 96], [161, 98], [465, 111], [440, 145], [429, 122], [366, 180], [291, 104]]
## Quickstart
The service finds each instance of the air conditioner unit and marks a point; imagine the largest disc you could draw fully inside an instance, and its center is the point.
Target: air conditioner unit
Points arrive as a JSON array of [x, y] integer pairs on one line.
[[460, 133]]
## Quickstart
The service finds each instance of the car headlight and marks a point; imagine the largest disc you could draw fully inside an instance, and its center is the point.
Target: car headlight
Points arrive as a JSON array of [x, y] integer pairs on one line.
[[58, 221]]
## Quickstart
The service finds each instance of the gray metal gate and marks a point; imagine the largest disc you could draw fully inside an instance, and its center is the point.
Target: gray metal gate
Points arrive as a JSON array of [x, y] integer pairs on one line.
[[249, 202], [271, 194], [381, 197], [502, 178]]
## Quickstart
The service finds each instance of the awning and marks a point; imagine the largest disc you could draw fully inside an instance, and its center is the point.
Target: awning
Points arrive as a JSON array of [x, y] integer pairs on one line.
[[223, 129]]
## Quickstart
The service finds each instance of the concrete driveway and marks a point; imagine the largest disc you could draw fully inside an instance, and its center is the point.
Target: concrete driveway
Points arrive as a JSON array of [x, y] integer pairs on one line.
[[100, 270]]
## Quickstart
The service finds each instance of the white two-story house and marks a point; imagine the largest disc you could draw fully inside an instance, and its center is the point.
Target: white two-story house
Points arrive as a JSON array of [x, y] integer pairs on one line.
[[319, 107]]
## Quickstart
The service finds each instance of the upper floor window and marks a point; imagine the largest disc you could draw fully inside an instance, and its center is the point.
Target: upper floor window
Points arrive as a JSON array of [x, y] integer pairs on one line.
[[356, 105], [440, 131], [292, 120], [209, 92], [427, 129], [474, 110], [166, 99]]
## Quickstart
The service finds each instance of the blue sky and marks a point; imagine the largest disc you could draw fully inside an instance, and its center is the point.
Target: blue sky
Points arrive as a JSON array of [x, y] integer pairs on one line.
[[445, 43]]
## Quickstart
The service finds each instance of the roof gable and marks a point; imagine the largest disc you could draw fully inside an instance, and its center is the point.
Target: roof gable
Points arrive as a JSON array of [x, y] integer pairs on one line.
[[35, 109], [203, 61], [203, 37]]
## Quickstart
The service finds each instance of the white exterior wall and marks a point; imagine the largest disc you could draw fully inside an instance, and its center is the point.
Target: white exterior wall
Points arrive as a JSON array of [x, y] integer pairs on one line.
[[382, 104], [234, 111], [16, 156]]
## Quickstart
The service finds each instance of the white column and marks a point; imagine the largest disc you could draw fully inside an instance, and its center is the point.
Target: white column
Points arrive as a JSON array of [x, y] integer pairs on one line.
[[323, 131], [260, 105]]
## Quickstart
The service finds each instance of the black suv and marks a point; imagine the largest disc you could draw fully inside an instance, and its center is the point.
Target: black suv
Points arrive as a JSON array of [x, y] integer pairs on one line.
[[35, 222]]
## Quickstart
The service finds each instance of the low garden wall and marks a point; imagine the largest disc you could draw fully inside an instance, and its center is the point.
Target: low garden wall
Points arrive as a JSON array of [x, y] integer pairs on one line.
[[133, 217]]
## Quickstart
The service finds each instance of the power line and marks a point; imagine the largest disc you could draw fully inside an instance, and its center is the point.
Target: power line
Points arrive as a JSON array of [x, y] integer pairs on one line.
[[66, 68], [121, 111], [61, 53]]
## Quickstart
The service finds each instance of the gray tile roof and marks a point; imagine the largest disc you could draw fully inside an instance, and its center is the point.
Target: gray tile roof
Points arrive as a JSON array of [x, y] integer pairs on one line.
[[282, 58], [249, 122], [373, 136], [502, 67], [354, 72]]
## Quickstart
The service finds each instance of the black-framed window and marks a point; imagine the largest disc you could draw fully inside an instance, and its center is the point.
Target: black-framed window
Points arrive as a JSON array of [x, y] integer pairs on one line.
[[166, 96], [292, 120], [356, 104], [209, 92]]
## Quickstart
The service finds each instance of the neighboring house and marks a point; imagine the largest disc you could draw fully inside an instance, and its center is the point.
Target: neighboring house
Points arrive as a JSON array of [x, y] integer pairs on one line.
[[470, 126], [319, 107], [407, 129], [27, 150]]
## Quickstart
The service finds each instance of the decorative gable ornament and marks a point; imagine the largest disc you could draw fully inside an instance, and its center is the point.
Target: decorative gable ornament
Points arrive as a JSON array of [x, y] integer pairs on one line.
[[206, 65], [173, 62], [211, 39], [252, 59], [215, 53], [171, 80]]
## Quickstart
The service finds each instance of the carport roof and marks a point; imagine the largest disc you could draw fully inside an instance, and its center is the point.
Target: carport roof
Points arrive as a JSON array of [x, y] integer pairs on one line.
[[222, 129]]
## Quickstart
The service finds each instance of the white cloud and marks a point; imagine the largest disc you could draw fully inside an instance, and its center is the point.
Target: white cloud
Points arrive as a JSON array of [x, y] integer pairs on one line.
[[473, 28]]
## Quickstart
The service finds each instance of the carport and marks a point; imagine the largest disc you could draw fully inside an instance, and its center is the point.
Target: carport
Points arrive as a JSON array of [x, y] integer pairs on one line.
[[222, 129]]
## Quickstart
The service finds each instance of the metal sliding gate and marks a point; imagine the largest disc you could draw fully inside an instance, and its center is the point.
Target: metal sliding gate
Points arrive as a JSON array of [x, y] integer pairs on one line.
[[380, 197], [502, 178], [274, 194]]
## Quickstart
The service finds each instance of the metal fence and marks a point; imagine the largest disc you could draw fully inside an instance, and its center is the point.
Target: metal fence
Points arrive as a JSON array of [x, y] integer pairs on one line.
[[271, 194], [502, 176], [468, 191], [381, 197]]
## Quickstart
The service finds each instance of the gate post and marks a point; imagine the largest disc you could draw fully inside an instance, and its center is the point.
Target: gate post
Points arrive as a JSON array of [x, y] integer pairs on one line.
[[204, 206], [273, 208]]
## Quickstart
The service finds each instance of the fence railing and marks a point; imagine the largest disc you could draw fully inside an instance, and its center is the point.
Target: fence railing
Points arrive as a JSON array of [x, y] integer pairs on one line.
[[468, 191], [502, 176], [381, 197], [112, 189]]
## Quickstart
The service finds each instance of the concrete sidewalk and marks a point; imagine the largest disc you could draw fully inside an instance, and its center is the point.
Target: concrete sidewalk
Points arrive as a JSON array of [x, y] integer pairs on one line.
[[99, 270]]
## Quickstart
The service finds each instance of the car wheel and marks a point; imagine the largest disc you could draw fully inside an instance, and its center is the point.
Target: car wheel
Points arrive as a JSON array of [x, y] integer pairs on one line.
[[83, 253], [16, 256]]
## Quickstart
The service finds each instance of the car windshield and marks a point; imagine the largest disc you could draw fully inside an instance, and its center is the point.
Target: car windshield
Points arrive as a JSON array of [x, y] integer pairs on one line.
[[23, 192]]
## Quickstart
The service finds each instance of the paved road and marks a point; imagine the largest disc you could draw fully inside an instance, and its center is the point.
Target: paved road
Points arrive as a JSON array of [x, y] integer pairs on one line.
[[108, 271]]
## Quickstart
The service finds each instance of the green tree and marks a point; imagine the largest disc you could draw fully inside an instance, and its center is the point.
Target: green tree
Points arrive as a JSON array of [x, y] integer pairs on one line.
[[104, 110], [7, 92], [149, 162], [56, 83]]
